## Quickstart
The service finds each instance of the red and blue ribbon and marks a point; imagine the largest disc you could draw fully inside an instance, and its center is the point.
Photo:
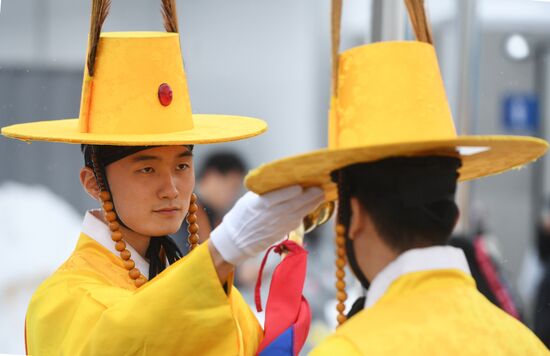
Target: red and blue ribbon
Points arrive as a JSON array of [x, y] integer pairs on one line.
[[287, 315]]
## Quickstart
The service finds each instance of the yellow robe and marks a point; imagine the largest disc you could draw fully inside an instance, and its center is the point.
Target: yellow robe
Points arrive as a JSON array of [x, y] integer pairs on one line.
[[437, 312], [89, 306]]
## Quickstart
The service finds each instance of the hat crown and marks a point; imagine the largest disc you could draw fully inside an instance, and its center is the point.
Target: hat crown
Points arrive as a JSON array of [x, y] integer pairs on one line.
[[131, 70], [389, 92]]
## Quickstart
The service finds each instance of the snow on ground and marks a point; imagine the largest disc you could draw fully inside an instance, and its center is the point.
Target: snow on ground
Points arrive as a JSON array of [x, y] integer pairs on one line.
[[38, 231]]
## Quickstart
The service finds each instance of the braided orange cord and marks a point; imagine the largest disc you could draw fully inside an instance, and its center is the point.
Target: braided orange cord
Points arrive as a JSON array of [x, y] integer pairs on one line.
[[341, 294], [192, 226], [116, 235]]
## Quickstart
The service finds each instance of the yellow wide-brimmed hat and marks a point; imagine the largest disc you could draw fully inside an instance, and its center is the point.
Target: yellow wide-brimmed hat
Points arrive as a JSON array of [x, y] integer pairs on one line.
[[135, 94], [391, 102]]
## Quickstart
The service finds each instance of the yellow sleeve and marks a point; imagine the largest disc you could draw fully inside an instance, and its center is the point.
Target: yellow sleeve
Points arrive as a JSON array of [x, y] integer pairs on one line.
[[335, 345], [184, 310]]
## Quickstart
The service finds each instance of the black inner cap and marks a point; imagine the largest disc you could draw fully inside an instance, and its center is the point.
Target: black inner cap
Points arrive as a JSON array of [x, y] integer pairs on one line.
[[109, 154]]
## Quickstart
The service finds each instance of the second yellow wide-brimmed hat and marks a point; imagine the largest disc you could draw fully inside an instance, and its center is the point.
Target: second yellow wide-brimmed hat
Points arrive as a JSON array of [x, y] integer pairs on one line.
[[391, 102]]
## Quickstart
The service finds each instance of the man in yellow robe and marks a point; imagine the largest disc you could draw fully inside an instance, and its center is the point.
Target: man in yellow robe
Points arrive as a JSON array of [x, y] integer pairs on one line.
[[394, 160], [397, 214], [115, 294]]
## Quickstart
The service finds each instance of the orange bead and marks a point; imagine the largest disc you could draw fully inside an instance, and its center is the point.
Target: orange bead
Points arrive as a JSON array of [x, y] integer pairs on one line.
[[125, 255], [340, 241], [341, 252], [193, 228], [193, 198], [340, 263], [104, 196], [341, 319], [341, 296], [120, 246], [340, 229], [116, 236], [114, 226], [191, 219], [340, 285], [129, 264], [340, 274], [193, 208], [341, 307], [140, 281], [134, 273], [110, 216], [193, 239], [108, 206]]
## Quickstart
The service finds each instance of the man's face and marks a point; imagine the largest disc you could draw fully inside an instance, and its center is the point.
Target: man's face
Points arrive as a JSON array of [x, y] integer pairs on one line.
[[151, 189]]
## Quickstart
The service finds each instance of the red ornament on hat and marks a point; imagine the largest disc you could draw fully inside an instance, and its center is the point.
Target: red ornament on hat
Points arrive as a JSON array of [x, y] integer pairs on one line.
[[165, 94]]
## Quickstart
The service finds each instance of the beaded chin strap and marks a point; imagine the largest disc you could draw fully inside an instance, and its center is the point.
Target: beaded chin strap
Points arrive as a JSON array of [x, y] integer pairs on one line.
[[111, 218], [192, 226], [341, 294], [116, 234]]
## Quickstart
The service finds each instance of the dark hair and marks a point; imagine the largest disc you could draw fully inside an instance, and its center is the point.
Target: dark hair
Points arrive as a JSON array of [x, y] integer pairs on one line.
[[410, 199], [223, 162]]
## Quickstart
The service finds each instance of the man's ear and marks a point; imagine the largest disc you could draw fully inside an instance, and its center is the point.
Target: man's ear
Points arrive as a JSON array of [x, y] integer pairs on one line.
[[87, 179], [357, 221]]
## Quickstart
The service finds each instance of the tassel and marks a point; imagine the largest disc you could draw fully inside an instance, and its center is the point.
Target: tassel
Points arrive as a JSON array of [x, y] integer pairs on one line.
[[419, 20], [100, 10], [170, 16]]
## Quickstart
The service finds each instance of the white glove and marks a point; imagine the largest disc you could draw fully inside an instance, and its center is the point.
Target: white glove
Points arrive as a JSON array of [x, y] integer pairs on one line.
[[257, 222]]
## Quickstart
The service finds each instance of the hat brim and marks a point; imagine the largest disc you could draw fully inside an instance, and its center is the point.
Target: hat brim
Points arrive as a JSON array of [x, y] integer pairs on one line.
[[207, 129], [481, 156]]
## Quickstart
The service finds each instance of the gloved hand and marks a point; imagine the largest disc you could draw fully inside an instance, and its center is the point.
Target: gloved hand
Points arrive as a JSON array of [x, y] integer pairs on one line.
[[257, 222]]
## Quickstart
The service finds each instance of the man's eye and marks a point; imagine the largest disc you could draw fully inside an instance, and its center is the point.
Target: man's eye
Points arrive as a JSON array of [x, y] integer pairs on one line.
[[183, 166], [146, 170]]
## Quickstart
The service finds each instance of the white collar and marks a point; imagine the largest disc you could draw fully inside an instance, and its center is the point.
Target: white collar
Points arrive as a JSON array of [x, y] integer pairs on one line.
[[416, 260], [99, 231]]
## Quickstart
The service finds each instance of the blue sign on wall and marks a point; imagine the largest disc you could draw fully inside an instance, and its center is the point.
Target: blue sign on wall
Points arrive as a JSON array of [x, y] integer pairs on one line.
[[521, 113]]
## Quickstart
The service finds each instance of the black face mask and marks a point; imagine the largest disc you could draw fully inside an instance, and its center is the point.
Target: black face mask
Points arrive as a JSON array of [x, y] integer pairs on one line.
[[354, 265]]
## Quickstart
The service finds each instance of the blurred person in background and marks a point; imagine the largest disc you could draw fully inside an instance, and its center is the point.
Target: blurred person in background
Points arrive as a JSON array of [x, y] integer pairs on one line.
[[220, 184], [485, 263]]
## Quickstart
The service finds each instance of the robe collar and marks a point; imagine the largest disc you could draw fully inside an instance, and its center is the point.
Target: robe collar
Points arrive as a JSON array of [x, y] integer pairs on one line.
[[99, 231], [416, 260]]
